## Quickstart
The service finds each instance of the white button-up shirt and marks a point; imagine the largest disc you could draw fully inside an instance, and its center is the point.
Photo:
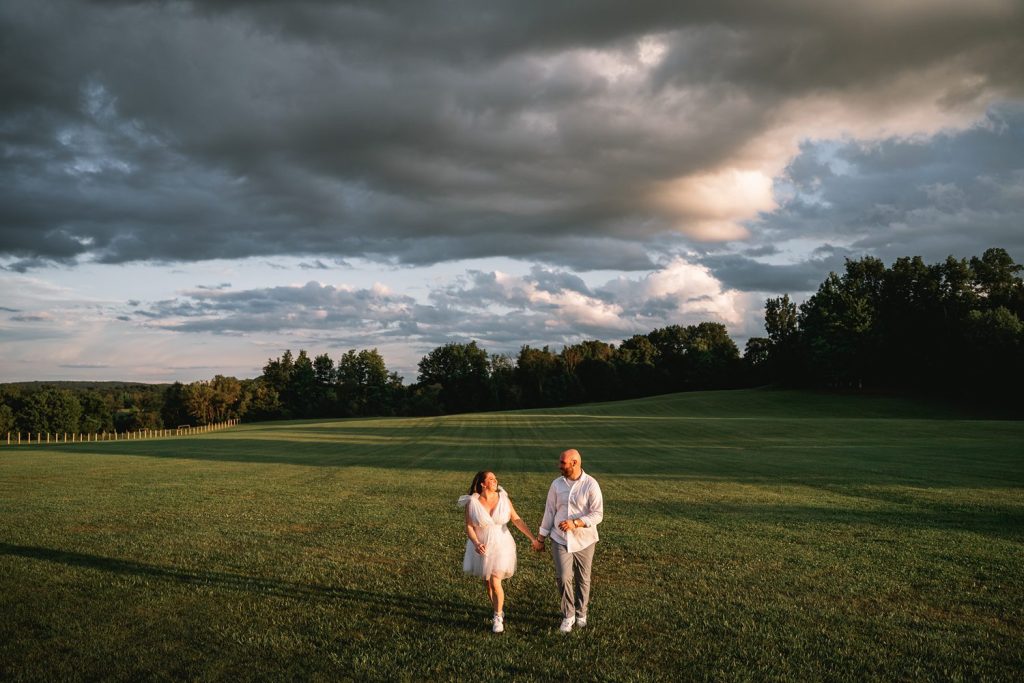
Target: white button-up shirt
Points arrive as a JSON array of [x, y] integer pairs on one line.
[[568, 499]]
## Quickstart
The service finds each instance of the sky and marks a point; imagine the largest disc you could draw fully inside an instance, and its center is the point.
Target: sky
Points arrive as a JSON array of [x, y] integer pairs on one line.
[[188, 189]]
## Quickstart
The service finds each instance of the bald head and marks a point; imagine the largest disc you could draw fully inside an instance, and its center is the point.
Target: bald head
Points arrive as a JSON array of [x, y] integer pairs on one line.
[[570, 463]]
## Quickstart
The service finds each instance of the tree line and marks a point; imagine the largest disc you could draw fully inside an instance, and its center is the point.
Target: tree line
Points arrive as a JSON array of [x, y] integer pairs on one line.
[[952, 328], [80, 407], [454, 377]]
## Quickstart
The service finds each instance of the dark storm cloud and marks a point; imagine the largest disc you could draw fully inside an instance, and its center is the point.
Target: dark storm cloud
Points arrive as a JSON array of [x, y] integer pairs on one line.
[[747, 274], [557, 281], [764, 250], [957, 193], [318, 264], [424, 132], [778, 50], [26, 264]]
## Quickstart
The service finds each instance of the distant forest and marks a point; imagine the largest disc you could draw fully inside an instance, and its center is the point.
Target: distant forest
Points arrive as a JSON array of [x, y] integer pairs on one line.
[[952, 328]]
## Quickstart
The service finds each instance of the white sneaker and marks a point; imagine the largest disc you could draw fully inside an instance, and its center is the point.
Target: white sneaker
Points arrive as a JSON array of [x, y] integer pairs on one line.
[[499, 623], [581, 622], [567, 623]]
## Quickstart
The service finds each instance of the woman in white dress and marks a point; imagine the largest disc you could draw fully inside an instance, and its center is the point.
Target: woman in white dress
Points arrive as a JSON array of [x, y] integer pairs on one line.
[[490, 548]]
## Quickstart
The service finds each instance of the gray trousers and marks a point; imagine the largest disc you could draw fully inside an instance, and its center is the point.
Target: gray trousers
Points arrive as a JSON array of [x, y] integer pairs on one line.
[[572, 573]]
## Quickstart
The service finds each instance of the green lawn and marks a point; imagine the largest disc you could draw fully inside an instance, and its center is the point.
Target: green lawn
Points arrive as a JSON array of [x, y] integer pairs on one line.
[[748, 535]]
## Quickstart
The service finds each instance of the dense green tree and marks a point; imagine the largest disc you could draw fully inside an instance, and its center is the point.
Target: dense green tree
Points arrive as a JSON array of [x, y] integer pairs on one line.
[[136, 418], [461, 370], [51, 411], [277, 373], [227, 400], [780, 319], [199, 398], [672, 344], [7, 422], [996, 362], [425, 400], [783, 352], [300, 395], [995, 274], [839, 321], [324, 399], [506, 393], [949, 327], [323, 370], [97, 412], [592, 374], [713, 360], [174, 412], [542, 377], [757, 358], [364, 385], [636, 362], [695, 357], [263, 401]]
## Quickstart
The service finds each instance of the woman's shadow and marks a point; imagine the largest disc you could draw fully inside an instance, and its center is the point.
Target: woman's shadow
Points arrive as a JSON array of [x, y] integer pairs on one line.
[[450, 613]]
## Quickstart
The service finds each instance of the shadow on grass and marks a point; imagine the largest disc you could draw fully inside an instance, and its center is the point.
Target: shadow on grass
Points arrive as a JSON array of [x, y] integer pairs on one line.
[[924, 462], [993, 522], [453, 457], [427, 611]]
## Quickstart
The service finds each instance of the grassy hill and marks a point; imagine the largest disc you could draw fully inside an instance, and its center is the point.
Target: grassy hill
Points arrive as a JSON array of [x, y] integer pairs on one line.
[[748, 534]]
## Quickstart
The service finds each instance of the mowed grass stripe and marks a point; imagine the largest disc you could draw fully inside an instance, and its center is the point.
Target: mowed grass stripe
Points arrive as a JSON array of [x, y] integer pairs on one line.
[[750, 535]]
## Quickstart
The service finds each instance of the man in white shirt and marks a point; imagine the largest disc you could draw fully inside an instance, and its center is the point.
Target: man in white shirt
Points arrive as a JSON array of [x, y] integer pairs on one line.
[[574, 509]]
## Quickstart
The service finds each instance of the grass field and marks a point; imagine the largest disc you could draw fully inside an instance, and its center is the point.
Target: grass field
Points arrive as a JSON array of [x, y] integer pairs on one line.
[[748, 535]]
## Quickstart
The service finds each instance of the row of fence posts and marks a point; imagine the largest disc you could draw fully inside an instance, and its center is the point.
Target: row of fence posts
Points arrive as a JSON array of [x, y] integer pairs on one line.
[[39, 438]]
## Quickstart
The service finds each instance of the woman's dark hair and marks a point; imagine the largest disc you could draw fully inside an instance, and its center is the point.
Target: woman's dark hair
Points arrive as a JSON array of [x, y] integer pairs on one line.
[[478, 482]]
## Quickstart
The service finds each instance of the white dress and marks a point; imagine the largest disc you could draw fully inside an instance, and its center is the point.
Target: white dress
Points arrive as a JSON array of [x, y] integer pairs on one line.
[[492, 531]]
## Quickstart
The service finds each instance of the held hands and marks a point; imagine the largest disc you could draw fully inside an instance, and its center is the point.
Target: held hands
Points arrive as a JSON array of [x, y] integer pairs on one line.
[[538, 545]]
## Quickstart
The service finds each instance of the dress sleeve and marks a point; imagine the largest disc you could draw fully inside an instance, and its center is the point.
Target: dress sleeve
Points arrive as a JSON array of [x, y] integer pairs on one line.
[[473, 510]]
